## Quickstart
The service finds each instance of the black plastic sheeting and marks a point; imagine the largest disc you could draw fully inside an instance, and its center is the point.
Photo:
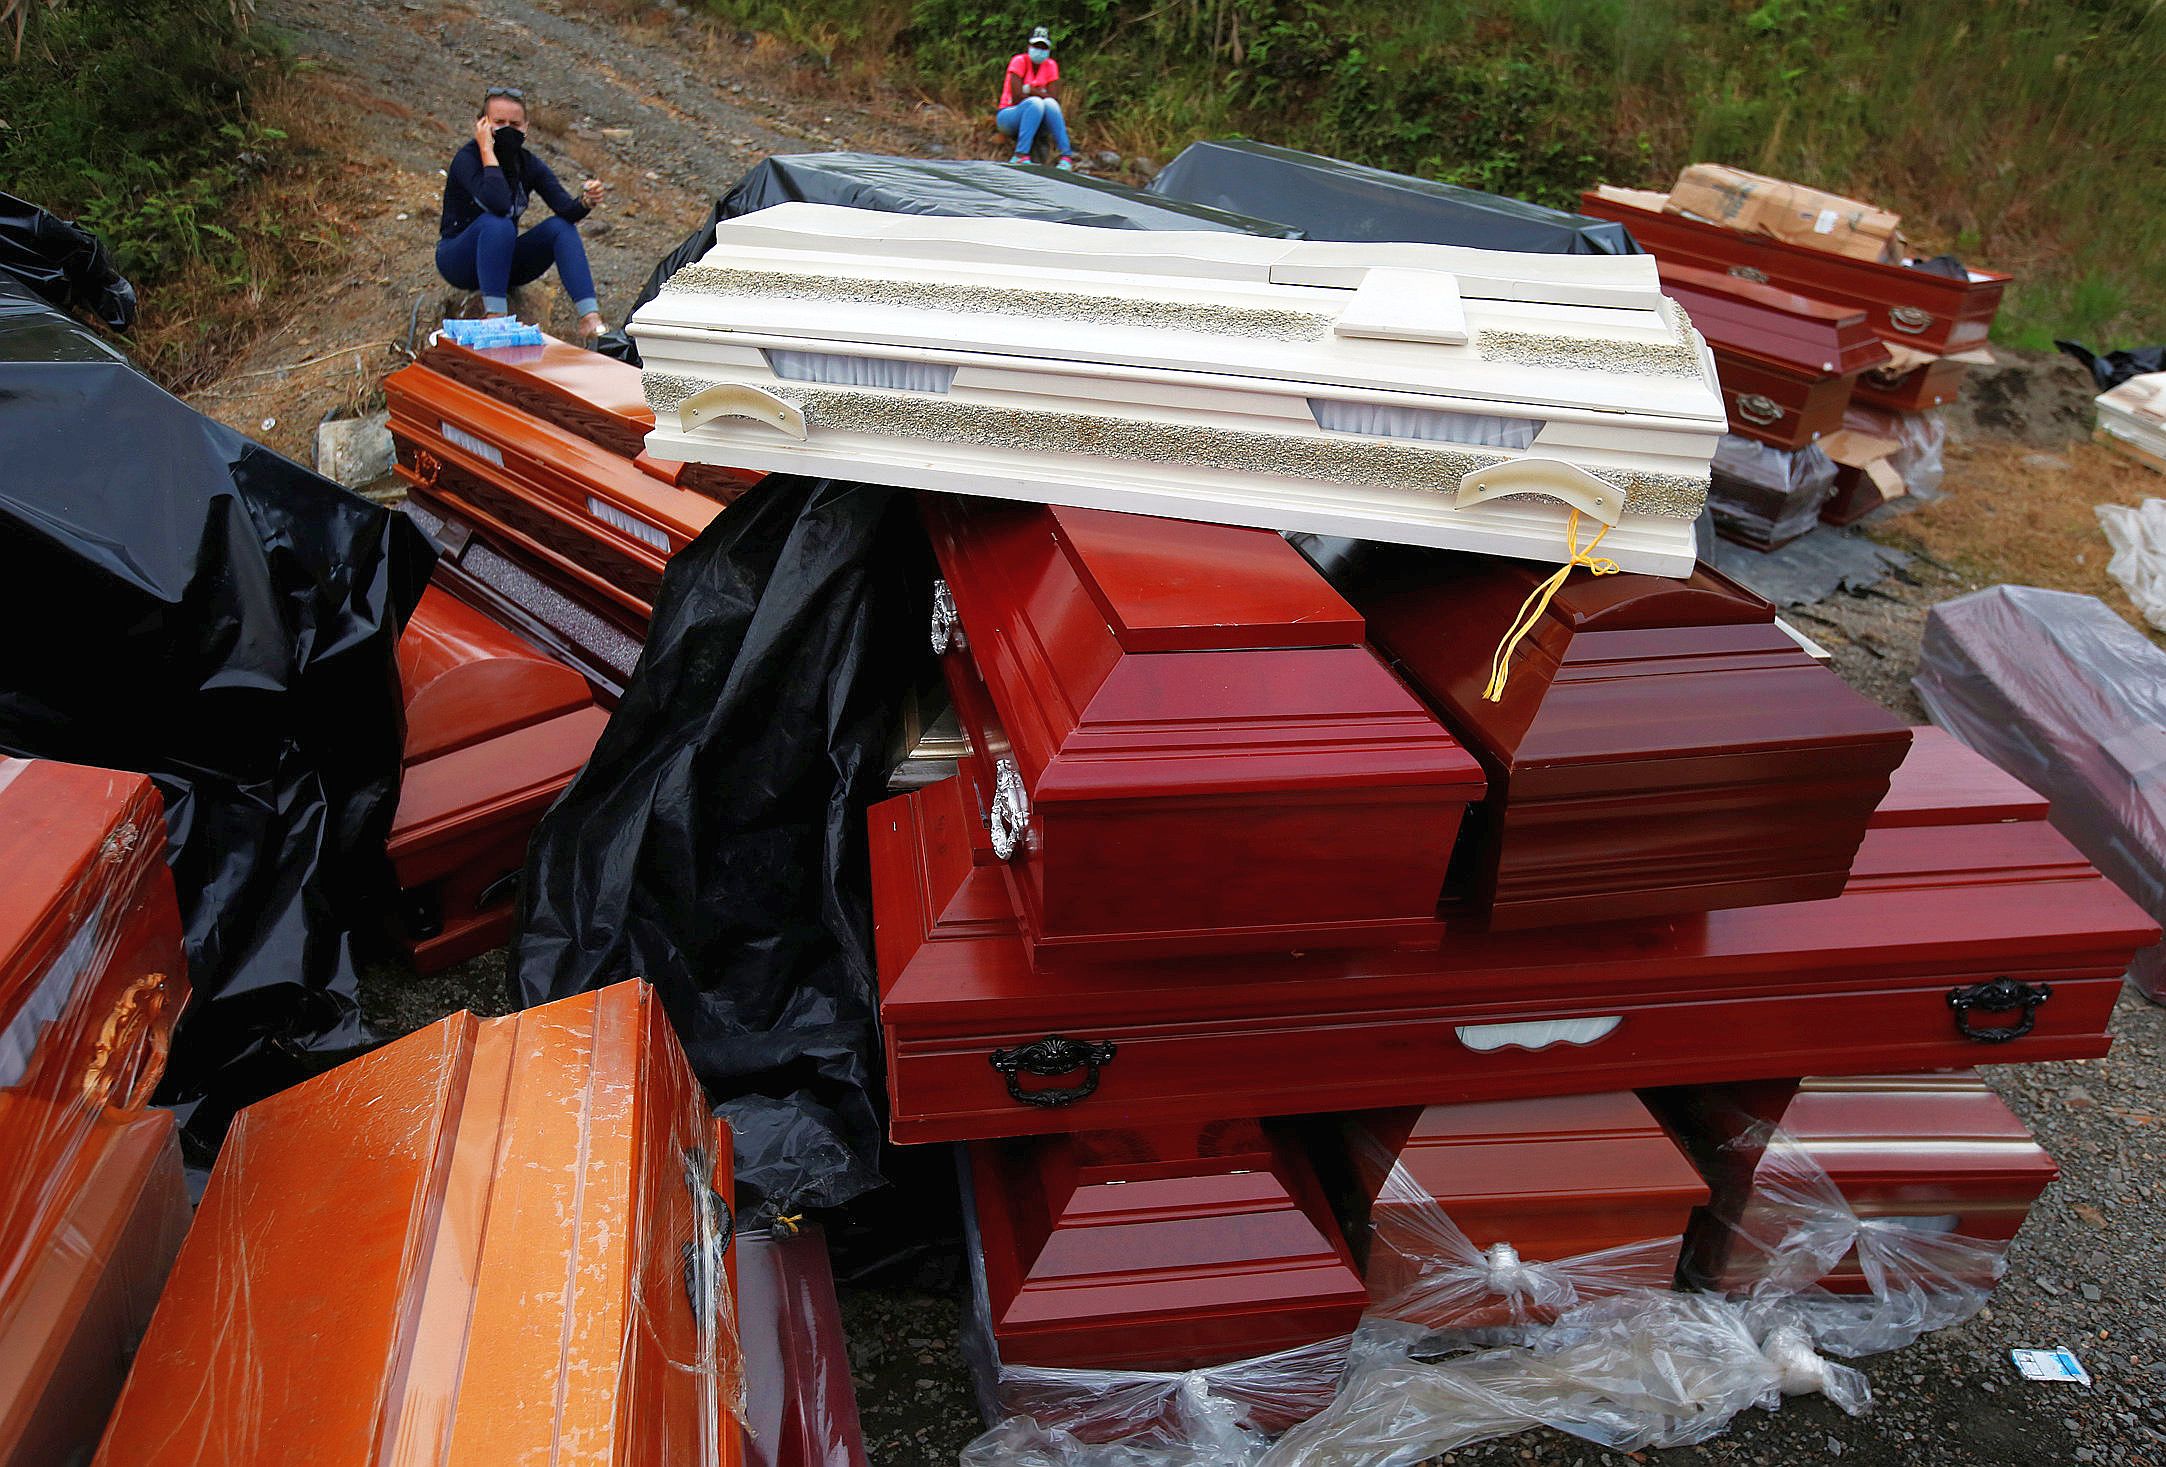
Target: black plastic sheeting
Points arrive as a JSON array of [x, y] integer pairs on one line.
[[968, 188], [183, 602], [2115, 367], [63, 263], [715, 842], [1326, 198]]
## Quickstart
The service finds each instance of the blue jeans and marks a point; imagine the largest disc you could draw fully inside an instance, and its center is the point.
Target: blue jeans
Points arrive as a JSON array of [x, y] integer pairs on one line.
[[1023, 120], [491, 256]]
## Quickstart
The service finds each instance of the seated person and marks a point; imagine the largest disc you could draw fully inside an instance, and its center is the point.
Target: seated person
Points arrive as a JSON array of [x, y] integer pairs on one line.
[[1027, 101], [485, 191]]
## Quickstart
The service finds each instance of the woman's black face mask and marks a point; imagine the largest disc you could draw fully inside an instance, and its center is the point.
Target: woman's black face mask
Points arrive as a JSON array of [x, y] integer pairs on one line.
[[509, 140]]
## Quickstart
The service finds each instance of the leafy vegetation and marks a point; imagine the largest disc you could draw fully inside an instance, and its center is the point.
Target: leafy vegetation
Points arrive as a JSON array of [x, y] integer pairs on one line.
[[152, 121], [2029, 135]]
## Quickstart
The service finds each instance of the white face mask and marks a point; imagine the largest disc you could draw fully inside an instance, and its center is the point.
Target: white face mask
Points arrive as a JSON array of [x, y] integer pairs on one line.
[[1039, 53]]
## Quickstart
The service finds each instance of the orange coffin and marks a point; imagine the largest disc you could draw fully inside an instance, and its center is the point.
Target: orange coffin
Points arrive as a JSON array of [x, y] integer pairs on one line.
[[494, 731], [491, 1242]]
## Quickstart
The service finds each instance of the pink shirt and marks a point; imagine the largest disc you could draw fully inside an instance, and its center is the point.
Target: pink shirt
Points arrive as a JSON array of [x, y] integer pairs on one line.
[[1023, 71]]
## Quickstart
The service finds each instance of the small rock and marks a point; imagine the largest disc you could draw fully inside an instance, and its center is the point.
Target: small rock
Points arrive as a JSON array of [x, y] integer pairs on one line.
[[595, 228], [354, 451], [1107, 158], [1146, 168], [619, 134], [1835, 1448], [2080, 1099], [2089, 1214], [2092, 1294], [2046, 1286]]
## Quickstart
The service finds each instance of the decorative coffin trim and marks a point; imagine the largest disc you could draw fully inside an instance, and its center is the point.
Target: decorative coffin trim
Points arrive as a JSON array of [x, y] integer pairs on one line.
[[1538, 1035], [1184, 374]]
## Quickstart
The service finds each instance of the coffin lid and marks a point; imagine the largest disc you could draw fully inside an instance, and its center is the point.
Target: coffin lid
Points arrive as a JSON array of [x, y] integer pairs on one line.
[[556, 371], [1406, 323], [1886, 1127], [1774, 324], [1175, 585], [466, 679], [1545, 1151], [73, 840]]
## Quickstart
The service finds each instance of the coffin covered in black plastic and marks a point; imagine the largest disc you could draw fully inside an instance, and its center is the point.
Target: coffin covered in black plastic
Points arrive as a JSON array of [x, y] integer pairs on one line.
[[954, 187], [1326, 198]]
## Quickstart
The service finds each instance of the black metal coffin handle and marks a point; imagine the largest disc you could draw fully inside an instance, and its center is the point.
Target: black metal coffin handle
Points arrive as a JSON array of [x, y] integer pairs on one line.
[[2001, 996], [1048, 1058]]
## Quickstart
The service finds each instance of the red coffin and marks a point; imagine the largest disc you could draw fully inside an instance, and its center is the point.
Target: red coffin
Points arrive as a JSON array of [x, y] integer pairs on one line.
[[1936, 1153], [1180, 728], [1552, 1178], [1787, 362], [1914, 390], [1922, 310], [494, 731], [1661, 747], [1956, 921], [800, 1407], [1163, 1250]]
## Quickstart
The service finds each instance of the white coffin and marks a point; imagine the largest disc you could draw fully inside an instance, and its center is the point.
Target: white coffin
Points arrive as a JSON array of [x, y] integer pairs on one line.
[[2134, 414], [1344, 389]]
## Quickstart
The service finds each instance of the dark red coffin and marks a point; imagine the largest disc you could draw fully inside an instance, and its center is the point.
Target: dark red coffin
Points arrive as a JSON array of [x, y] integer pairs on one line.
[[494, 731], [1787, 362], [1963, 938], [1183, 743], [1661, 747], [1933, 313], [800, 1407], [1937, 1154], [1909, 390], [1552, 1178], [1166, 1249]]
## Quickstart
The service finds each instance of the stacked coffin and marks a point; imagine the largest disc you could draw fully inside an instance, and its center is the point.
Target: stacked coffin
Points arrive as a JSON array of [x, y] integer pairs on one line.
[[93, 1203], [1245, 834]]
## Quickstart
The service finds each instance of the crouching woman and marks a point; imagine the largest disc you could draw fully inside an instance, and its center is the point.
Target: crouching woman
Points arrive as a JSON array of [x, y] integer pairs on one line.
[[486, 189]]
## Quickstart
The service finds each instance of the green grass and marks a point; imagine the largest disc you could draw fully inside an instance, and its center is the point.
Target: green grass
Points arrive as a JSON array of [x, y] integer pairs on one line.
[[2026, 135]]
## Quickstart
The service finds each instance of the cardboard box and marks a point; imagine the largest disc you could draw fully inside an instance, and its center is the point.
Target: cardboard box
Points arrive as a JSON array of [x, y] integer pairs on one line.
[[1752, 203]]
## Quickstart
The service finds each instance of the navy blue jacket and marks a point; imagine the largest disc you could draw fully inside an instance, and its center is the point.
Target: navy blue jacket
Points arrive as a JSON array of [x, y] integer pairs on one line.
[[471, 190]]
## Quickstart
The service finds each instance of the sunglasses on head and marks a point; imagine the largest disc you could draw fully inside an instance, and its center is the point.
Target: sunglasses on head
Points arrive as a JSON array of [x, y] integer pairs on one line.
[[512, 92]]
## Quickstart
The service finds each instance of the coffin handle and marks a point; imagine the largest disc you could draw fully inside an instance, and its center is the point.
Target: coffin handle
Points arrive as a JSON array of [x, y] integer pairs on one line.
[[1552, 476], [1051, 1057], [2001, 996], [741, 400]]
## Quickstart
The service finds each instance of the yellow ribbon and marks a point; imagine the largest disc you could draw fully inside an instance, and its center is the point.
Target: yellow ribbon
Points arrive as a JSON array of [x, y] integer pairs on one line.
[[788, 1222], [1537, 602]]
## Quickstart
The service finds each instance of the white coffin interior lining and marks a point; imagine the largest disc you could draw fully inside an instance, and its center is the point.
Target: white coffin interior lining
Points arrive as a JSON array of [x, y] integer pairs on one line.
[[844, 370], [1382, 420], [637, 528], [479, 447]]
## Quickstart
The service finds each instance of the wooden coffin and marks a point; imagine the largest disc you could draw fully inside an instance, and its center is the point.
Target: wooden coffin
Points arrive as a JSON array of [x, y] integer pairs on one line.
[[1408, 392], [1937, 1154], [1182, 742], [93, 967], [585, 393], [1787, 362], [76, 1295], [800, 1407], [1764, 496], [1661, 747], [1913, 389], [1968, 938], [495, 730], [2132, 419], [491, 1241], [1918, 308], [1168, 1249], [1550, 1179]]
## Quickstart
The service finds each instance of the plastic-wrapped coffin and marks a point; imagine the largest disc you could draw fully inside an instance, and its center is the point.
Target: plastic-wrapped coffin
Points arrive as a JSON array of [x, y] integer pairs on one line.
[[92, 1201], [493, 1241], [1180, 740], [1962, 935], [1788, 363], [494, 731], [800, 1406], [1594, 1179], [1417, 393], [1935, 1165], [517, 470], [2132, 417], [1661, 746]]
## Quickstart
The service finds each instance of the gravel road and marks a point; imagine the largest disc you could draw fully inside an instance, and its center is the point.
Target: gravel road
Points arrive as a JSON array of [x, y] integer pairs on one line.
[[670, 112]]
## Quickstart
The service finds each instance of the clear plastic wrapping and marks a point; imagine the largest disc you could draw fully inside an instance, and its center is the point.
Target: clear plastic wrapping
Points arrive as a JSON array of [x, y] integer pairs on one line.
[[1482, 1343], [1920, 440], [1765, 496], [2062, 693], [92, 1199]]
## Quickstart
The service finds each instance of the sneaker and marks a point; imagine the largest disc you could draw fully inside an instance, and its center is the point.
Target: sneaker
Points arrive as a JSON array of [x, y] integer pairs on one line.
[[1019, 158], [1066, 163]]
